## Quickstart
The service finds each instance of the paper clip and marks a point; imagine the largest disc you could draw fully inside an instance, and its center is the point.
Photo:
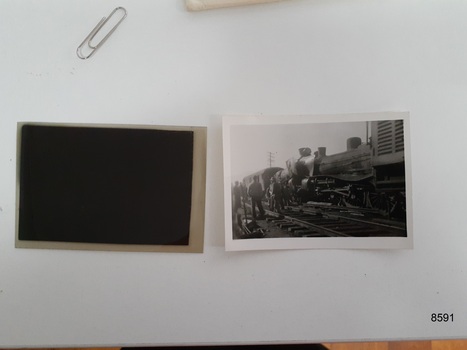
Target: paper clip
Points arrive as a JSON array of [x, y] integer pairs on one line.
[[96, 30]]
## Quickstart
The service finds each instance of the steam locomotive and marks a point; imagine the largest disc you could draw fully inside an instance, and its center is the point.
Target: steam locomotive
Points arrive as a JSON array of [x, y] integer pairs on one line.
[[366, 175]]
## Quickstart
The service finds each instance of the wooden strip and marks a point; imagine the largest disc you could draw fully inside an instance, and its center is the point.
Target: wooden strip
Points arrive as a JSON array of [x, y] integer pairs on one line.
[[449, 345], [410, 345], [357, 346]]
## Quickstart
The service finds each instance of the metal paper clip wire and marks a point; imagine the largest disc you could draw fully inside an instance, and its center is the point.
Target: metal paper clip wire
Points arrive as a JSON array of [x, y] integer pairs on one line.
[[96, 30]]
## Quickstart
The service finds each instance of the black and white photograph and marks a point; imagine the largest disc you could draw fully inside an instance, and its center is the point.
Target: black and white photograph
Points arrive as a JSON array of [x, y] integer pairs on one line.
[[303, 182]]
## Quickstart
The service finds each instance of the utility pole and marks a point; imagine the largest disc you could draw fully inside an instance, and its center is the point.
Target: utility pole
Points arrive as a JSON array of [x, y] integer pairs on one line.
[[367, 132], [271, 158]]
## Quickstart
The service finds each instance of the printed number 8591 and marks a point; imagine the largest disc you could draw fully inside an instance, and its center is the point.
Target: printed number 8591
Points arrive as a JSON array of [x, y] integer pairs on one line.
[[442, 317]]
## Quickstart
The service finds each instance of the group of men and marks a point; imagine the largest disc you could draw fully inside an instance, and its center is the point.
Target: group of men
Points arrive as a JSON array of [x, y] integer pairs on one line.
[[275, 193]]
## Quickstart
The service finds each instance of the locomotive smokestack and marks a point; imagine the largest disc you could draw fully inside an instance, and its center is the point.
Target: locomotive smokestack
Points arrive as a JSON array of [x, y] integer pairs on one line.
[[321, 151], [353, 143]]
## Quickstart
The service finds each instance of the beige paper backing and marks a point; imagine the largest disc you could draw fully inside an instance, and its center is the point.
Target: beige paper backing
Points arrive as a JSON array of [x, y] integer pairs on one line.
[[199, 5]]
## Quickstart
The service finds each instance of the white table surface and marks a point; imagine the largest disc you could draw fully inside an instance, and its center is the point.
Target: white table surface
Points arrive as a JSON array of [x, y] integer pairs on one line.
[[167, 66]]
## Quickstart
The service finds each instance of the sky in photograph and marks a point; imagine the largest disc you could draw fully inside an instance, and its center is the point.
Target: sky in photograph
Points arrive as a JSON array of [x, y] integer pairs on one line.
[[251, 145]]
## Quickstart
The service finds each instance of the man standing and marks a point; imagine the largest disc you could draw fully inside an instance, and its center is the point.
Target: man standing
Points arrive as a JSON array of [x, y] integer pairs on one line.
[[237, 196], [275, 189], [255, 191]]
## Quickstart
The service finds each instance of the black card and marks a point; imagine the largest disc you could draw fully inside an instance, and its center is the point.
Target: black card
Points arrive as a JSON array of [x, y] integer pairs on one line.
[[106, 185]]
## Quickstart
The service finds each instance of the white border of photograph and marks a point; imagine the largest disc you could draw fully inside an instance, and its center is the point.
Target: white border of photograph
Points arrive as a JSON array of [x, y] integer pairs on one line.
[[250, 144]]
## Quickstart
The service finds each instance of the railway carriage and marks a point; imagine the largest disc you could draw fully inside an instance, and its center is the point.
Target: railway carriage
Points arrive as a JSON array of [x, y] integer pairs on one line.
[[263, 175]]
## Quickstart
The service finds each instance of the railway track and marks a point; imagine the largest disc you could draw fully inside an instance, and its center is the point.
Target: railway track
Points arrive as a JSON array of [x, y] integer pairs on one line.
[[327, 221]]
